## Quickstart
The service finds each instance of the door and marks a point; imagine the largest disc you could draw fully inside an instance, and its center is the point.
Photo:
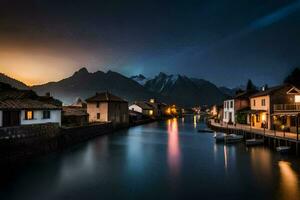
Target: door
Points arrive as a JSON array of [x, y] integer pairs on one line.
[[11, 118]]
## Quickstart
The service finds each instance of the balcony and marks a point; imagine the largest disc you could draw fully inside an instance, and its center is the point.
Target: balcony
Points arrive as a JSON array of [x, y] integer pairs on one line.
[[287, 107]]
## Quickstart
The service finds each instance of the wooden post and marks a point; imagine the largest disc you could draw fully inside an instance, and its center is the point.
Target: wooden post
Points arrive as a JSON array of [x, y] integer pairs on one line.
[[250, 122], [297, 127]]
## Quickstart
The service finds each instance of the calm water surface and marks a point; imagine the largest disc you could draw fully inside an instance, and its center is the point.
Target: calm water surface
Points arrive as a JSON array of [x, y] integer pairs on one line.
[[163, 160]]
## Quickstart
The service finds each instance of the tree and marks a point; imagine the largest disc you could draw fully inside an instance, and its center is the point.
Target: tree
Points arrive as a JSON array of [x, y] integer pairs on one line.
[[294, 77], [250, 86]]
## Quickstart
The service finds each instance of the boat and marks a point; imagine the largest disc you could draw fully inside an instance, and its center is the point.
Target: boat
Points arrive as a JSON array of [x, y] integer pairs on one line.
[[205, 131], [220, 137], [231, 138], [254, 142], [283, 149]]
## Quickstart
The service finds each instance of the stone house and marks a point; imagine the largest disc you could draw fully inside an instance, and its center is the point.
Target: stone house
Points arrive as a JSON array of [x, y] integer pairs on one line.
[[106, 107]]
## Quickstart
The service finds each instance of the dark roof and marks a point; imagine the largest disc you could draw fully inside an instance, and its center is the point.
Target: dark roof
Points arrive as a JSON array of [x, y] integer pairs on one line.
[[21, 104], [74, 111], [17, 94], [243, 95], [143, 105], [269, 91], [105, 97]]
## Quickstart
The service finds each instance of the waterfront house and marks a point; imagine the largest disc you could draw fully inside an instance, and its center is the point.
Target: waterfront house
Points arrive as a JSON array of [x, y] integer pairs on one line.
[[143, 108], [106, 107], [25, 107], [216, 112], [236, 109], [74, 116], [16, 112], [276, 108], [228, 116]]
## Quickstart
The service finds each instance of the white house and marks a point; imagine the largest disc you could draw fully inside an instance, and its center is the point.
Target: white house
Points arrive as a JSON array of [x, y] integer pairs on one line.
[[142, 107], [228, 116], [16, 112]]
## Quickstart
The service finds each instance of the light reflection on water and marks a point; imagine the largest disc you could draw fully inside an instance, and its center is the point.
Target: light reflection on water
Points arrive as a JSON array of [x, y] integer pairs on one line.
[[173, 146], [289, 184], [159, 160]]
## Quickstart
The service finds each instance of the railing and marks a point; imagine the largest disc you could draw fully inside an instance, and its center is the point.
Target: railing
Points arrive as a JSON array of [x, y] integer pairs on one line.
[[287, 107]]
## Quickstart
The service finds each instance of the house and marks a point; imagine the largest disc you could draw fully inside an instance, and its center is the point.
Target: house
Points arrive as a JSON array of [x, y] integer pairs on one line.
[[276, 108], [142, 107], [216, 112], [236, 109], [25, 107], [74, 116], [106, 107], [228, 116]]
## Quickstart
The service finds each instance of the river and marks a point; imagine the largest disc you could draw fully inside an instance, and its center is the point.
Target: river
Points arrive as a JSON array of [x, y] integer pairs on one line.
[[161, 160]]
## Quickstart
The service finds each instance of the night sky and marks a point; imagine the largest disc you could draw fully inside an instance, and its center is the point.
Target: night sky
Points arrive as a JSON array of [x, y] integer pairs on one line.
[[225, 42]]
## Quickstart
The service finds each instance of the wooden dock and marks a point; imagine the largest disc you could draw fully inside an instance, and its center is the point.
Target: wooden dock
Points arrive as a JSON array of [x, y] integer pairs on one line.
[[271, 138]]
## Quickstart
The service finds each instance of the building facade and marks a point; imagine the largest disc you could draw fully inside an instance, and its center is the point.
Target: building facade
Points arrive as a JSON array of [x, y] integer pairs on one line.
[[143, 108], [15, 112], [106, 107], [228, 116], [277, 108]]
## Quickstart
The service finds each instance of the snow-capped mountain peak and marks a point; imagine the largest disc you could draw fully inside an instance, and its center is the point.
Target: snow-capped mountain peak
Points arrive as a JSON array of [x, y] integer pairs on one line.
[[141, 79]]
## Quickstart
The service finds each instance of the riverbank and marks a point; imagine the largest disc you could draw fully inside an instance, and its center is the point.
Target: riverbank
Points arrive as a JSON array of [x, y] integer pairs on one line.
[[271, 139], [21, 149]]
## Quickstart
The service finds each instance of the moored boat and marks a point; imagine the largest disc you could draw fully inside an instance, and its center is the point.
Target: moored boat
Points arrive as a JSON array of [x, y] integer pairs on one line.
[[283, 149], [232, 138], [220, 137]]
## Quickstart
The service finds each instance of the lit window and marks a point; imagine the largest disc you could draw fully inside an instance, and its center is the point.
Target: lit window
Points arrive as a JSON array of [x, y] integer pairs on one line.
[[29, 115], [297, 99]]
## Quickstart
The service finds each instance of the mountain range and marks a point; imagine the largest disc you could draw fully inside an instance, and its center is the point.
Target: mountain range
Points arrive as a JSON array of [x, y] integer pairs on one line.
[[177, 89]]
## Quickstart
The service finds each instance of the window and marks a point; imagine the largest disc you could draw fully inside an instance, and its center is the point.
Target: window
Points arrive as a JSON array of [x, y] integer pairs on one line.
[[46, 114], [98, 104], [231, 104], [257, 118], [263, 102], [29, 115], [98, 115], [297, 98], [254, 102]]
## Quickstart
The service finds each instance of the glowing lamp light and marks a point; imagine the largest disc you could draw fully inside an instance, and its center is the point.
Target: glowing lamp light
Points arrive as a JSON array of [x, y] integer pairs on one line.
[[150, 112], [263, 117]]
